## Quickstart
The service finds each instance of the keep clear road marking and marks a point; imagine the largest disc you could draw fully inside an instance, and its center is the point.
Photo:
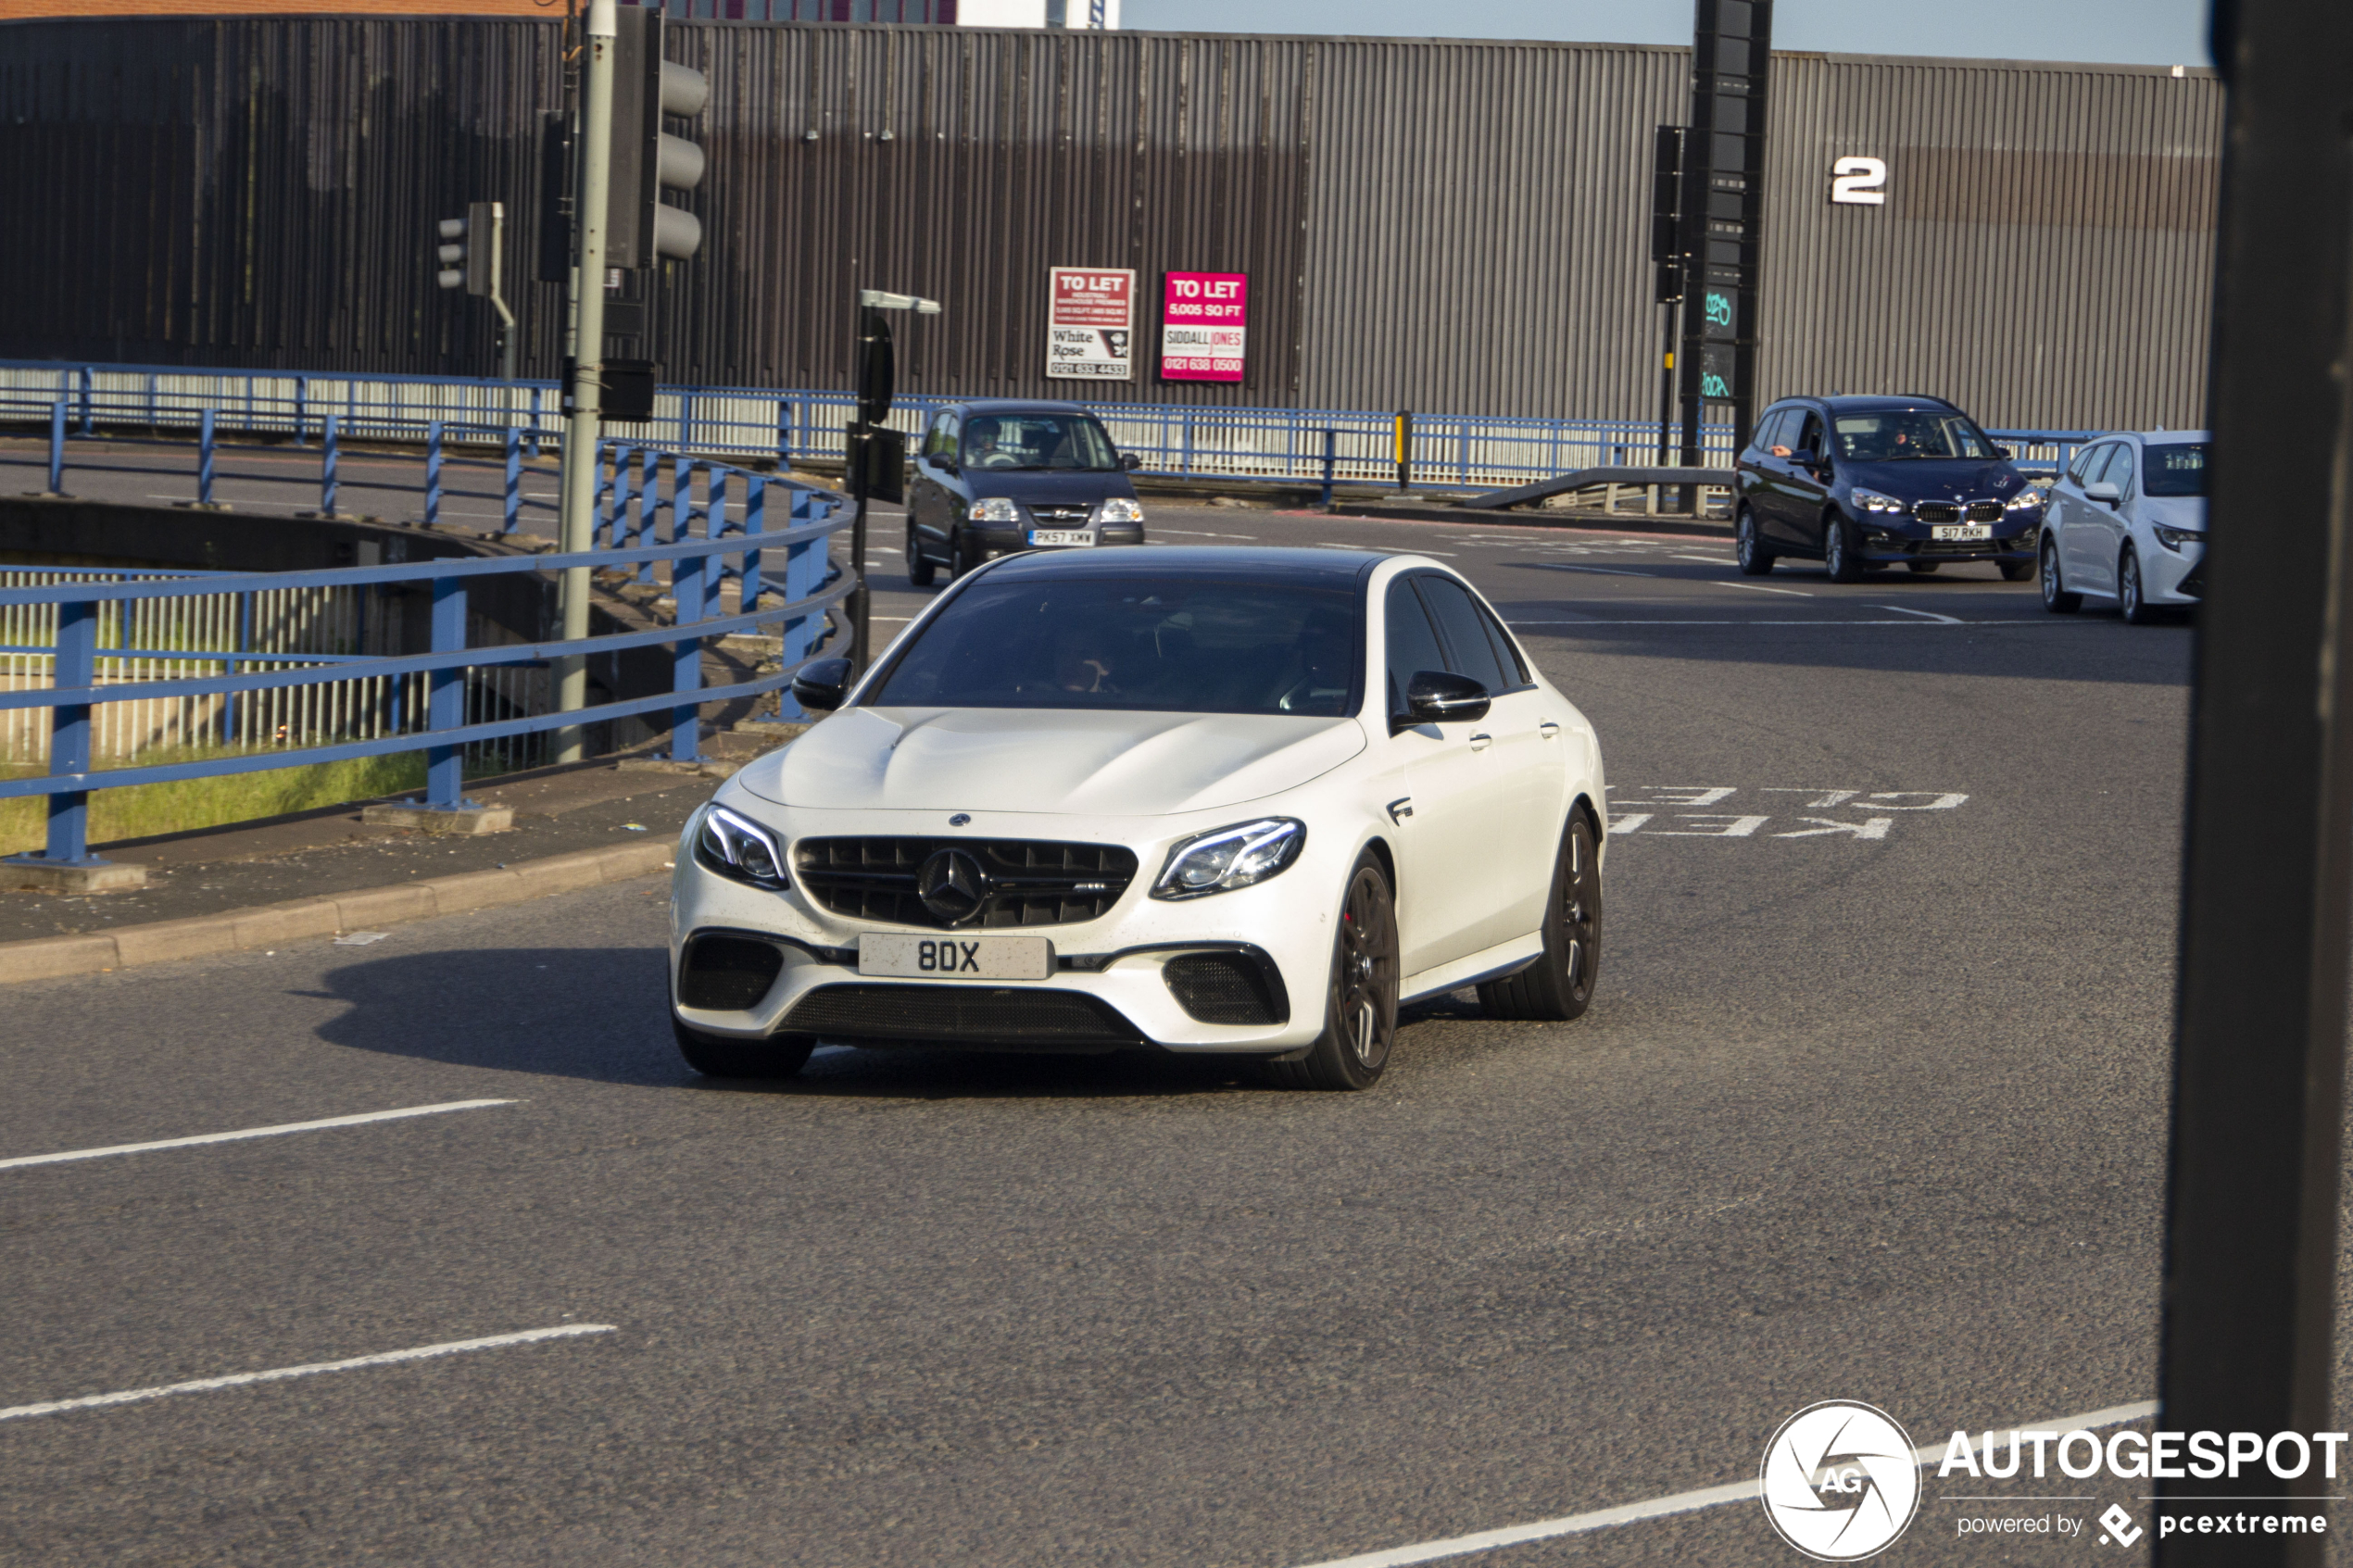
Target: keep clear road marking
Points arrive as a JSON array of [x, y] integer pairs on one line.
[[235, 1380], [1659, 1508], [253, 1133]]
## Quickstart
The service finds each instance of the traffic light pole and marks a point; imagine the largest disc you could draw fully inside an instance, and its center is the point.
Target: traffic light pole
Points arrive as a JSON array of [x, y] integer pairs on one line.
[[579, 488]]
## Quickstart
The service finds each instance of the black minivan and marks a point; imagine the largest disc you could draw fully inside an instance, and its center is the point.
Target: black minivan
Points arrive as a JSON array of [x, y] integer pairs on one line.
[[1861, 483], [997, 476]]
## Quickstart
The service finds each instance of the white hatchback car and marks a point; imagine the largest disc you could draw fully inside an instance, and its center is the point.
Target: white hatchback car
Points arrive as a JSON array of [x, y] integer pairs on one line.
[[1222, 800], [2127, 522]]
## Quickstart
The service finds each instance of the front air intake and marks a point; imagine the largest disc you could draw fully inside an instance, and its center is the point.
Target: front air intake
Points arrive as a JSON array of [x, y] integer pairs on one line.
[[1223, 988], [727, 973], [962, 1015]]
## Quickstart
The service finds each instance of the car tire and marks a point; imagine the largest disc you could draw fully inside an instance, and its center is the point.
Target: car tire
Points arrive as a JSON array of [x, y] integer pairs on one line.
[[1755, 560], [2055, 599], [1559, 986], [2131, 596], [1839, 558], [1922, 567], [959, 557], [920, 567], [1360, 1000], [714, 1056], [2016, 570]]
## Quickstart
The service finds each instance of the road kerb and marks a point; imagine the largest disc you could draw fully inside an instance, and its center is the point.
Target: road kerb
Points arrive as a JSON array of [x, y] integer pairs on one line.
[[269, 925]]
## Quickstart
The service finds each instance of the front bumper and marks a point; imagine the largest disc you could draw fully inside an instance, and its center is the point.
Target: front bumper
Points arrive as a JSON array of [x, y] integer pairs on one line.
[[1904, 541], [2174, 577], [1111, 983]]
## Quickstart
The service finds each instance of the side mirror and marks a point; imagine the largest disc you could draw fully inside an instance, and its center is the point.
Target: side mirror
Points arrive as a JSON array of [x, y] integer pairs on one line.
[[2004, 453], [1439, 696], [2102, 491], [1803, 457], [822, 683], [1130, 461]]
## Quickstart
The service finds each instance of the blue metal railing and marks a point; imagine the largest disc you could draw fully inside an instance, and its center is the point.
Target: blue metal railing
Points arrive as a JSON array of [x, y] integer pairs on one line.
[[782, 571]]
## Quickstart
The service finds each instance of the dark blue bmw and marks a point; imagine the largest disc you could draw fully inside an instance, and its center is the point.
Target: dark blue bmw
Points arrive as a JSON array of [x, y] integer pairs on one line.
[[1861, 483]]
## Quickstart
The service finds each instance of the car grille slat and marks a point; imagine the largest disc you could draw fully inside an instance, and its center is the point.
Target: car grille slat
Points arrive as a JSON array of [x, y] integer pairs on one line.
[[962, 1015], [1032, 882], [1936, 511], [1985, 511]]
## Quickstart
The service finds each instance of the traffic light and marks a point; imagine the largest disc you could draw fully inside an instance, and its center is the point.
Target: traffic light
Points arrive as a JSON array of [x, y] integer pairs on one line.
[[469, 252], [645, 160]]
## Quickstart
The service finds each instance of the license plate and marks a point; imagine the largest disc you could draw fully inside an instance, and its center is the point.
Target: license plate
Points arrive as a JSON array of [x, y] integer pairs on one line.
[[965, 958], [1962, 531], [1062, 536]]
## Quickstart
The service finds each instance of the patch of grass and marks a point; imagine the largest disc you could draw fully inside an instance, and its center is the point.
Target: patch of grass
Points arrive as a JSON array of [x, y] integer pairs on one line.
[[143, 810]]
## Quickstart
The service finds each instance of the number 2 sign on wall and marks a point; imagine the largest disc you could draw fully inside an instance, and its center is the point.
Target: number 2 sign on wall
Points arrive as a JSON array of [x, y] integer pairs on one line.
[[1859, 182]]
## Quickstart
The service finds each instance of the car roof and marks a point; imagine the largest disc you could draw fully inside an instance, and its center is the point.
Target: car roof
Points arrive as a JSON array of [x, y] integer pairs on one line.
[[1265, 563], [1842, 403], [2155, 437], [1016, 406]]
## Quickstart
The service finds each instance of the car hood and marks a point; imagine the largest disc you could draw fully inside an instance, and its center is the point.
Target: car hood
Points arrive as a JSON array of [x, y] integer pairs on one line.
[[1048, 486], [1935, 479], [2172, 512], [1119, 764]]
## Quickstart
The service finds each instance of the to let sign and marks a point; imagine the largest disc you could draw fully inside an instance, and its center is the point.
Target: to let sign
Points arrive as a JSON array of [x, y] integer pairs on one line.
[[1202, 320], [1091, 323]]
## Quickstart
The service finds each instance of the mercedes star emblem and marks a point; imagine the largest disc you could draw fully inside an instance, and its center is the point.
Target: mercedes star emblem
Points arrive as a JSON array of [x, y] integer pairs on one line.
[[961, 819], [952, 885]]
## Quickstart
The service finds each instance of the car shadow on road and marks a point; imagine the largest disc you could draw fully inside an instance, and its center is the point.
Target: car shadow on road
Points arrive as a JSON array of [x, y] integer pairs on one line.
[[597, 1013]]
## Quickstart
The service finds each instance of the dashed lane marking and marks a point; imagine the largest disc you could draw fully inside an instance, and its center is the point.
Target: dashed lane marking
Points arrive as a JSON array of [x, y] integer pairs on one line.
[[311, 1369], [280, 1131], [1760, 588]]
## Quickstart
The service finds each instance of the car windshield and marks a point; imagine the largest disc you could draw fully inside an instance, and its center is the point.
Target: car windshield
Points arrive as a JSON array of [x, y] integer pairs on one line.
[[2177, 468], [1908, 432], [1038, 440], [1163, 646]]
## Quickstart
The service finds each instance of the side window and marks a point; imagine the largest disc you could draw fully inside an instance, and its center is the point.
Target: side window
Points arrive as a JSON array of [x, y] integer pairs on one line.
[[2079, 467], [2119, 471], [1413, 645], [1768, 431], [1505, 648], [1470, 652], [936, 443], [1810, 438], [2099, 462]]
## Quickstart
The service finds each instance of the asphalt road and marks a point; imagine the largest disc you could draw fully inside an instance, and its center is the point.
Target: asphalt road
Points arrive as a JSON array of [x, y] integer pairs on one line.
[[1871, 1105]]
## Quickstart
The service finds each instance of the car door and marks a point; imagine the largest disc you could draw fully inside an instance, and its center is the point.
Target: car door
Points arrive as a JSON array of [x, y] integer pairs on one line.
[[1762, 472], [1517, 871], [941, 486], [2067, 498], [923, 489], [2083, 541], [1809, 486], [1443, 823], [2111, 518]]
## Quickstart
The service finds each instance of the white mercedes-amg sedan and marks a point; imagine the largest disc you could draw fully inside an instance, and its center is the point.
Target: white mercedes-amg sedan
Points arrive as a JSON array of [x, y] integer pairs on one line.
[[1207, 800]]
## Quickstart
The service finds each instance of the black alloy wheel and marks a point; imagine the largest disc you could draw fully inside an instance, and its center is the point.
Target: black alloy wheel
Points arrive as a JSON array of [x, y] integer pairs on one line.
[[2132, 599], [920, 567], [1559, 986], [1922, 567], [1755, 560], [1360, 1016], [2055, 599], [1839, 558], [715, 1056]]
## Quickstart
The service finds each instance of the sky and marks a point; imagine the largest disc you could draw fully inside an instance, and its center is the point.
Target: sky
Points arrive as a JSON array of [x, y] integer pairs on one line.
[[2156, 32]]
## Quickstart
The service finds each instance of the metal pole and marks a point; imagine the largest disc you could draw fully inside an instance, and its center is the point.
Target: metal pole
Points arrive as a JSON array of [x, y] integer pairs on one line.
[[579, 486], [2251, 1225], [204, 459], [1667, 390], [57, 448]]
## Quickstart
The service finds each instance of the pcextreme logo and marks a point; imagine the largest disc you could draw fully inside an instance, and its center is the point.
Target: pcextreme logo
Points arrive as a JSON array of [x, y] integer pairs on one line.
[[1839, 1482]]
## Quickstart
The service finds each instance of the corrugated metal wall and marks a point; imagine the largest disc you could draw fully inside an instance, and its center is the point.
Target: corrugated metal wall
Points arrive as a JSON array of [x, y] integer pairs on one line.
[[2045, 257], [1452, 226]]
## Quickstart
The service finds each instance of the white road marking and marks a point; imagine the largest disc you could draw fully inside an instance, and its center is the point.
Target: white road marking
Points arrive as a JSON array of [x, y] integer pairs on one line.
[[253, 1133], [1660, 1508], [1760, 588], [1629, 823], [1712, 560], [1689, 621], [234, 1380], [1942, 620], [1606, 571]]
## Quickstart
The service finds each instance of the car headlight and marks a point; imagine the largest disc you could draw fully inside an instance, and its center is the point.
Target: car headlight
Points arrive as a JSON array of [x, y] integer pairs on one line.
[[995, 508], [1226, 859], [1872, 501], [2174, 538], [2026, 500], [1119, 509], [740, 850]]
